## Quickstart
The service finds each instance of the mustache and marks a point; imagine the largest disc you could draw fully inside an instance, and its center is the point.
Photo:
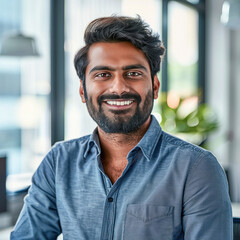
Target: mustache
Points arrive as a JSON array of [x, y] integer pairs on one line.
[[125, 96]]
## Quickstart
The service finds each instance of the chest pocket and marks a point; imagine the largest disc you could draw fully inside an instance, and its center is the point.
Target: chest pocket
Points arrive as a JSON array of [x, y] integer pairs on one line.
[[148, 222]]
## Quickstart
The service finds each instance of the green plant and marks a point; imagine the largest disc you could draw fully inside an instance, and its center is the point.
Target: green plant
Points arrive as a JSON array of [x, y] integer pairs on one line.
[[186, 118]]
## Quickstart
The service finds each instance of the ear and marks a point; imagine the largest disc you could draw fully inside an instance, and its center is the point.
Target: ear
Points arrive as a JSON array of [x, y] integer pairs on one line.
[[81, 92], [156, 86]]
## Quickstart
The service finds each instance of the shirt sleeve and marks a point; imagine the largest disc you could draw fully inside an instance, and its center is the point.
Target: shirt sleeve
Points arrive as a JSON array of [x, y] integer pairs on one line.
[[39, 216], [207, 212]]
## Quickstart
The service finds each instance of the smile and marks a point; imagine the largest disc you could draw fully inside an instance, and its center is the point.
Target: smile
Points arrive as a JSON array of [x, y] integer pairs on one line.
[[120, 103]]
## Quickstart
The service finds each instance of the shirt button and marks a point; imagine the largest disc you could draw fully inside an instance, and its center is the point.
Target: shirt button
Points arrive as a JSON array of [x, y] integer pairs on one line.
[[110, 199]]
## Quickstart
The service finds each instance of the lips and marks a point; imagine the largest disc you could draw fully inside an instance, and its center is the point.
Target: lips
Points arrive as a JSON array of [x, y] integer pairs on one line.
[[119, 102], [119, 105]]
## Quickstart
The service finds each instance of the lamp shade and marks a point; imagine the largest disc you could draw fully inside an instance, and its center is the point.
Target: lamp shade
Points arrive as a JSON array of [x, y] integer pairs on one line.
[[19, 46], [231, 14]]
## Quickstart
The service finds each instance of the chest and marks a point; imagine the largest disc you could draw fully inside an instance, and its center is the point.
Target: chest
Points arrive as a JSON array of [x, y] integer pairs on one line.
[[143, 193], [114, 170]]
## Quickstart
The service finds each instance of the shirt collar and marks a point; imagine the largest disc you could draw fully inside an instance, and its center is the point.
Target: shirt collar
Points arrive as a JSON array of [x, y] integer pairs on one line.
[[149, 141], [93, 141], [147, 144]]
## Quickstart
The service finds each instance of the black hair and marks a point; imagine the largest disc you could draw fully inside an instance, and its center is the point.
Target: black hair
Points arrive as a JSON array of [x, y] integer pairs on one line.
[[119, 29]]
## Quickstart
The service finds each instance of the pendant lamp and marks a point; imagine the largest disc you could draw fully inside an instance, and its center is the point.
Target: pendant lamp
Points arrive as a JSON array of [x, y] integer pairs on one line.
[[19, 45]]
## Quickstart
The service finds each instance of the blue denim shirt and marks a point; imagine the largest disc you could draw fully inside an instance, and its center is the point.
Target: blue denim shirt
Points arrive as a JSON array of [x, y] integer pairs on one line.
[[169, 190]]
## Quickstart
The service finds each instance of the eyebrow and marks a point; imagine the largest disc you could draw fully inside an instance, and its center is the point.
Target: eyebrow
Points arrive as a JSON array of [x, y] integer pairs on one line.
[[134, 66], [128, 67], [101, 68]]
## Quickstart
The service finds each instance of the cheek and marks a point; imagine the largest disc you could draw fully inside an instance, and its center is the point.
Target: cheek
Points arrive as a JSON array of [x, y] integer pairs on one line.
[[144, 90], [147, 95], [93, 92]]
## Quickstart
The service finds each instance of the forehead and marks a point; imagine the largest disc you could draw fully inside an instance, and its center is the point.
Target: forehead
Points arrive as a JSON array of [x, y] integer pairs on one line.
[[117, 55]]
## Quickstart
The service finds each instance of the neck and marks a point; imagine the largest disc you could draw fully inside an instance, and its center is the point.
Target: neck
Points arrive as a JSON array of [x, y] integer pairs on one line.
[[117, 145], [115, 148]]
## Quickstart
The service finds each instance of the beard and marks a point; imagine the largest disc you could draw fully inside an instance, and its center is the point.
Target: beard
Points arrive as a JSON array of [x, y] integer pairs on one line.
[[121, 122]]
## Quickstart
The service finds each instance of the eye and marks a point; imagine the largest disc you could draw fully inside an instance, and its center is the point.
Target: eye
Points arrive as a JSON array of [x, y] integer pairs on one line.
[[134, 74], [103, 75]]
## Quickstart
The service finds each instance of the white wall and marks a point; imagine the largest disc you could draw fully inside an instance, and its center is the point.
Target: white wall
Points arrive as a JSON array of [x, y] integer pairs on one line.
[[234, 116], [217, 86], [223, 84]]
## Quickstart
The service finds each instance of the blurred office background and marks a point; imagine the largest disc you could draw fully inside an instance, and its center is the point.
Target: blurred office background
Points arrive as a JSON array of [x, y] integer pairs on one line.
[[39, 100]]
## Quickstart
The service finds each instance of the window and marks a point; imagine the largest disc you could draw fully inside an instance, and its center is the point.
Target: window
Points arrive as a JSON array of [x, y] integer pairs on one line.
[[182, 49], [184, 71], [25, 87], [184, 37]]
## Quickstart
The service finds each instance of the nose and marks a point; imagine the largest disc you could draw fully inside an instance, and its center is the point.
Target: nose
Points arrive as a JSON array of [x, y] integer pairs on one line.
[[119, 85]]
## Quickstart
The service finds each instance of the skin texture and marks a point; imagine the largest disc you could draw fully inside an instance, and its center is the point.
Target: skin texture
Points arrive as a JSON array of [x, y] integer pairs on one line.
[[118, 69]]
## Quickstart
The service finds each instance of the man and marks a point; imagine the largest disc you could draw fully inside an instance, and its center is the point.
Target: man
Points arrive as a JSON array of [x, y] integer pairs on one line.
[[129, 179]]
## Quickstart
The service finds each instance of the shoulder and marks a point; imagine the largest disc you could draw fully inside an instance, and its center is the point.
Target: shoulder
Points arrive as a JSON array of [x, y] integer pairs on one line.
[[180, 144], [185, 153], [71, 145], [202, 164], [66, 152]]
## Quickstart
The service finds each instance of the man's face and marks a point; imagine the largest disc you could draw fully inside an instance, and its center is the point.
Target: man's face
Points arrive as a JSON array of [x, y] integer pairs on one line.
[[119, 87]]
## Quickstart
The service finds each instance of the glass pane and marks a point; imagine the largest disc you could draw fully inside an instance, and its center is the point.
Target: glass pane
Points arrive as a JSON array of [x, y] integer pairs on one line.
[[25, 87], [182, 49], [78, 14]]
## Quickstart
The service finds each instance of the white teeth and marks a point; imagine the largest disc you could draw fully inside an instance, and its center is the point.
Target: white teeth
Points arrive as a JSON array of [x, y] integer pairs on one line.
[[119, 103]]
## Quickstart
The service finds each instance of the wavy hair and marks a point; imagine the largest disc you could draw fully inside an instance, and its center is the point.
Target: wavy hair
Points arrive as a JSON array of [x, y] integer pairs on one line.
[[119, 29]]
